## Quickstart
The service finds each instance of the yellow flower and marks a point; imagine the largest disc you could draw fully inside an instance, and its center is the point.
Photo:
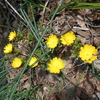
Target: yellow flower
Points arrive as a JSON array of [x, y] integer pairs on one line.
[[33, 59], [52, 41], [12, 36], [88, 53], [16, 63], [68, 38], [55, 65], [8, 48]]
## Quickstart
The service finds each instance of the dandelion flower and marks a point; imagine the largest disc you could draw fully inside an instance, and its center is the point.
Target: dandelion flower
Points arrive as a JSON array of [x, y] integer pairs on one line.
[[8, 48], [88, 53], [33, 59], [55, 65], [68, 38], [52, 41], [12, 36], [16, 63]]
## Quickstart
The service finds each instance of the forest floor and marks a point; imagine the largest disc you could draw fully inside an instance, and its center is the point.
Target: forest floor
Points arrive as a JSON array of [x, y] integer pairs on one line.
[[86, 25]]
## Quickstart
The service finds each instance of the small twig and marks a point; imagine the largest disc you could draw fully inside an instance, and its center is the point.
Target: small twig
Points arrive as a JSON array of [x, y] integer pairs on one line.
[[91, 37], [45, 8], [60, 55], [68, 22], [80, 64], [14, 10], [80, 28]]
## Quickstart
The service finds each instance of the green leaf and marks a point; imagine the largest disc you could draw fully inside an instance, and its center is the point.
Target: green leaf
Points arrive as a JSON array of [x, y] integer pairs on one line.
[[77, 44]]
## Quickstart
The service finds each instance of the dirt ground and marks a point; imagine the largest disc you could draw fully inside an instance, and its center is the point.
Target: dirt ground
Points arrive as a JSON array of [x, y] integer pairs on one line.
[[86, 25]]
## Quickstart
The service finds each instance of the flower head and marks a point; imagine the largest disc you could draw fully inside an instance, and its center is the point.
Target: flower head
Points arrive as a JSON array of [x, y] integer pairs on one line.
[[55, 65], [88, 53], [8, 48], [12, 36], [33, 59], [16, 63], [68, 38], [52, 41]]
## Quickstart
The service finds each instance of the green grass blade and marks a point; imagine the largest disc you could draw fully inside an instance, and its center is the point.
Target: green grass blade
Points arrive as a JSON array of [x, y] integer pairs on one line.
[[67, 88], [86, 6], [93, 68], [93, 71], [33, 30], [97, 77], [33, 18]]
